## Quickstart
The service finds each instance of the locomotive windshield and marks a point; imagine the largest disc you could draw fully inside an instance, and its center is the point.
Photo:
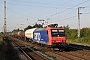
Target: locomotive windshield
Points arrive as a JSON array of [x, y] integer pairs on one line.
[[57, 33]]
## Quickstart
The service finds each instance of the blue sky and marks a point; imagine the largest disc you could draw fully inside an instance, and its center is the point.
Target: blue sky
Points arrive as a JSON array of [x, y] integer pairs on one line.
[[21, 13]]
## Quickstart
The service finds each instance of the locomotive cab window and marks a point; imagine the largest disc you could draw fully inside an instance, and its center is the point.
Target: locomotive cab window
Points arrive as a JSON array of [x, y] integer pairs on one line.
[[57, 33]]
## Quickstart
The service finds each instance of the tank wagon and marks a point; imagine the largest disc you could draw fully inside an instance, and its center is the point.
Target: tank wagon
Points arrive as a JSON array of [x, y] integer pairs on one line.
[[51, 36], [20, 34], [14, 34], [29, 34]]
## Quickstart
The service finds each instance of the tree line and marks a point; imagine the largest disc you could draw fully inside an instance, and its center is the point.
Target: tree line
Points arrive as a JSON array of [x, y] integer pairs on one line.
[[29, 27], [70, 33]]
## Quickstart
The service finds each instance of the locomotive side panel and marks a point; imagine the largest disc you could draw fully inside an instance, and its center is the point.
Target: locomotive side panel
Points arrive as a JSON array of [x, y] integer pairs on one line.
[[41, 36]]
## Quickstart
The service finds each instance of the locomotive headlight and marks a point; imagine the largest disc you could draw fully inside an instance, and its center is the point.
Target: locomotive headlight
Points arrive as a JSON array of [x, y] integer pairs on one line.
[[53, 41]]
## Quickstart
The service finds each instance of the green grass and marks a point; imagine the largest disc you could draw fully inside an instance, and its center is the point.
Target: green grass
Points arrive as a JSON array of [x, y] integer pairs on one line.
[[80, 40]]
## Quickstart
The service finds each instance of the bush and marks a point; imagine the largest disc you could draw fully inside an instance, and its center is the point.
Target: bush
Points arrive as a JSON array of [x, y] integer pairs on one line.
[[1, 42], [84, 40], [71, 35]]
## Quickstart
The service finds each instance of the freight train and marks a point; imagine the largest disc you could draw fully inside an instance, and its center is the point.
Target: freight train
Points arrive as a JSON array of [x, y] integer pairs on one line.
[[50, 36]]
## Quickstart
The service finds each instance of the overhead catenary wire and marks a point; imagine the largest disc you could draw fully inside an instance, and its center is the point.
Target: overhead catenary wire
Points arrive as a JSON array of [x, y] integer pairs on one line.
[[70, 17], [38, 5], [17, 12], [69, 8], [63, 4], [65, 18], [34, 5], [87, 13], [66, 9]]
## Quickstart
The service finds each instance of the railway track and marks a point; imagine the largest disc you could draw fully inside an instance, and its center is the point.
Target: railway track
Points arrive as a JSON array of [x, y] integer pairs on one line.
[[29, 53], [25, 54], [71, 55], [73, 52], [85, 52]]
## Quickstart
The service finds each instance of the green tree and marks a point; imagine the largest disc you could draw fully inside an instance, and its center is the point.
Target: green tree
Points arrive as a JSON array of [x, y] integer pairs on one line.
[[85, 32], [67, 31], [29, 27], [70, 33], [15, 30], [34, 26], [37, 26], [73, 33]]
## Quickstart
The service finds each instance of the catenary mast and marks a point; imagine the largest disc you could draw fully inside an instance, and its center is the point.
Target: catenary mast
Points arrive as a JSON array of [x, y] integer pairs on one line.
[[5, 28]]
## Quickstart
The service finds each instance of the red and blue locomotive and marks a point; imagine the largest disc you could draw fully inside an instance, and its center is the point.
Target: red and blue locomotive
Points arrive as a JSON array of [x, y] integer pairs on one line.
[[51, 36]]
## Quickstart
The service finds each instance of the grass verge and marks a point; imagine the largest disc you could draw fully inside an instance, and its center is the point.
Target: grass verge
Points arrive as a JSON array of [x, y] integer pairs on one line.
[[80, 40]]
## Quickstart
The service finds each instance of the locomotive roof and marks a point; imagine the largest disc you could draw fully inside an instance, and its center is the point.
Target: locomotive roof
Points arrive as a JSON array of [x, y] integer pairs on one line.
[[40, 29], [54, 27], [30, 30]]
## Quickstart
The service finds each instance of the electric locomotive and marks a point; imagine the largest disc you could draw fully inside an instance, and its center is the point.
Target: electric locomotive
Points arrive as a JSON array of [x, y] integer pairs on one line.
[[51, 36]]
